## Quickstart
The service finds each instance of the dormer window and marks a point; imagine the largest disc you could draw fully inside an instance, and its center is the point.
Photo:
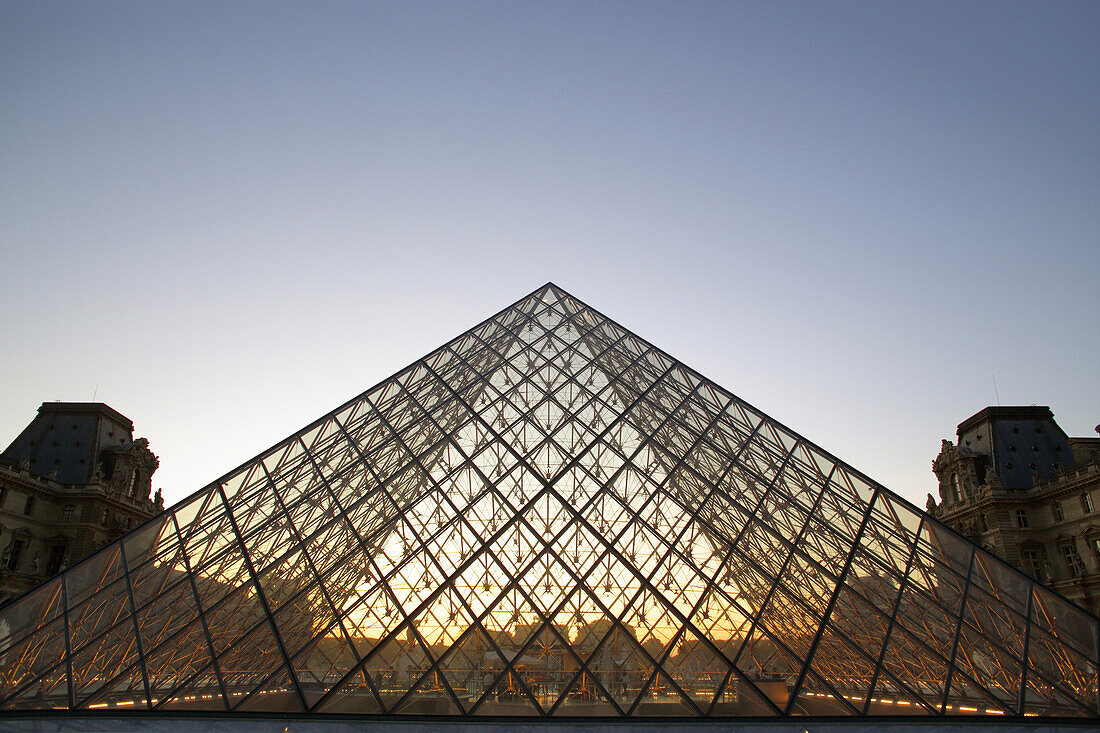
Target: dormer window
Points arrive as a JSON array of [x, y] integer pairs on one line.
[[956, 494]]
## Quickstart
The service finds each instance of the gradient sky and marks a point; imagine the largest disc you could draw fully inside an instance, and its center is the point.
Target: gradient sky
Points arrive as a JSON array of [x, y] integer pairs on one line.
[[225, 219]]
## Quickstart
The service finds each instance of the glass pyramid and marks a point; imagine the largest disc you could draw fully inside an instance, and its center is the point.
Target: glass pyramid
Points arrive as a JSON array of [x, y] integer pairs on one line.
[[547, 516]]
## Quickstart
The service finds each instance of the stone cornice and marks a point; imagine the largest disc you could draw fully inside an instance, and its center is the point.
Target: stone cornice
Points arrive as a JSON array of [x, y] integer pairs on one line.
[[22, 480], [1074, 480]]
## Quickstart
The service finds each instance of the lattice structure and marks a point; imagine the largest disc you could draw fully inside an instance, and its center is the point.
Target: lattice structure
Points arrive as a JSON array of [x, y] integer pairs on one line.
[[547, 516]]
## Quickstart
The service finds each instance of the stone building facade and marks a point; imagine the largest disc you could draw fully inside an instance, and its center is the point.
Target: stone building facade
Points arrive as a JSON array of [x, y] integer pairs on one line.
[[73, 480], [1016, 484]]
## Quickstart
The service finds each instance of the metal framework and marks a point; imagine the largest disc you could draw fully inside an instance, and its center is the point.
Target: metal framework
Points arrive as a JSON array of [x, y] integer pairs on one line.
[[547, 516]]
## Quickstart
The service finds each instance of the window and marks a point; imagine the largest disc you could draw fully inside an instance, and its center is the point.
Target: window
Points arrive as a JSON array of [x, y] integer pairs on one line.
[[57, 560], [103, 520], [1021, 518], [29, 506], [1073, 560], [956, 495], [67, 513], [1056, 510], [1086, 503], [14, 551], [1095, 542], [1032, 561]]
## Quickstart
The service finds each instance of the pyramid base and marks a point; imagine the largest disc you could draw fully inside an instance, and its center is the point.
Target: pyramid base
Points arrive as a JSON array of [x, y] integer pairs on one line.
[[183, 722]]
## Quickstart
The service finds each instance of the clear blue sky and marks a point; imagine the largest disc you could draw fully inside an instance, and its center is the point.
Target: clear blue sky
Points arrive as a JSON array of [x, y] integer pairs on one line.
[[231, 217]]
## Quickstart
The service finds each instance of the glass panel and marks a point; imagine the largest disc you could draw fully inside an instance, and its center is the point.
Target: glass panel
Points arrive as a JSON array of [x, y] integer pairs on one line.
[[25, 663], [101, 659], [324, 662], [201, 692], [585, 698], [102, 611], [233, 616], [277, 695], [696, 669], [548, 517], [88, 577], [48, 691], [819, 698], [168, 612], [176, 661], [1062, 674], [749, 696], [221, 576], [24, 616], [155, 538], [248, 662], [908, 658], [393, 669], [844, 668], [894, 698], [126, 691]]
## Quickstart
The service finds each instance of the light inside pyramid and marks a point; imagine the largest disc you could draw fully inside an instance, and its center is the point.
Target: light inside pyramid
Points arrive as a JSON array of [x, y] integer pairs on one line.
[[547, 516]]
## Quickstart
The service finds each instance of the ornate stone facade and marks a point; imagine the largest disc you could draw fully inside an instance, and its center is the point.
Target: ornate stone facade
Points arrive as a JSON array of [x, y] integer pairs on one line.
[[1018, 486], [73, 480]]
